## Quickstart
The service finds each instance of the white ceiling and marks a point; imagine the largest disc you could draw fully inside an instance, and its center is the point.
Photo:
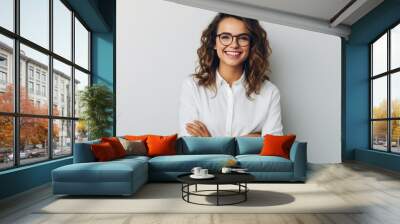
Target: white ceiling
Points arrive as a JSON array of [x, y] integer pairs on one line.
[[320, 9], [314, 15]]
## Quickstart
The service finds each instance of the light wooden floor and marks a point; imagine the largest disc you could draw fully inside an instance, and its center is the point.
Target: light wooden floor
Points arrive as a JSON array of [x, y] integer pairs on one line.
[[378, 188]]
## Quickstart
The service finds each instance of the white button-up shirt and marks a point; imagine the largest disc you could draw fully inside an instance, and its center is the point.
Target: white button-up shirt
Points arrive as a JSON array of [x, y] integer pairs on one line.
[[229, 112]]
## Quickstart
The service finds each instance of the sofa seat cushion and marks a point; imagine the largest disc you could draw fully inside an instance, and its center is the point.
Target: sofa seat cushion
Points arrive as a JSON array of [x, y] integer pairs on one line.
[[112, 171], [257, 163], [133, 158], [185, 163]]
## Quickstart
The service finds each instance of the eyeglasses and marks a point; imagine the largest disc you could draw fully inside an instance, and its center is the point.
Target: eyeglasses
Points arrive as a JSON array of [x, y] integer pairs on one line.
[[227, 38]]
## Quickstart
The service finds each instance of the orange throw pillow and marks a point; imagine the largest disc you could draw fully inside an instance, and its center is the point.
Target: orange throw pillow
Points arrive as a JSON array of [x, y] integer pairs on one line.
[[116, 145], [103, 151], [136, 137], [275, 145], [161, 145]]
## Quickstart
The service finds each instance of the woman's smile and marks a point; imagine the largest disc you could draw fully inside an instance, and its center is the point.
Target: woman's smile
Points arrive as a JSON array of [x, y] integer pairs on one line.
[[233, 54]]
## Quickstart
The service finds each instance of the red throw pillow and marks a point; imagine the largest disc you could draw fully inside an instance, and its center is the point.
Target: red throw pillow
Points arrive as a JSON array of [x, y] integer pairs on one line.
[[103, 151], [116, 145], [161, 145], [275, 145]]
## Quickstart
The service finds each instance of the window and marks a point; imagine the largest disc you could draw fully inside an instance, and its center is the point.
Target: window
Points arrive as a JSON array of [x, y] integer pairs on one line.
[[3, 72], [81, 45], [62, 75], [34, 21], [37, 89], [44, 91], [3, 78], [45, 116], [30, 87], [3, 61], [30, 72], [37, 74], [62, 29], [7, 14], [385, 91]]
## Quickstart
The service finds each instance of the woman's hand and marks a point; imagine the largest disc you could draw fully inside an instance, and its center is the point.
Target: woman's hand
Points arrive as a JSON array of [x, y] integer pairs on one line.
[[253, 134], [197, 129]]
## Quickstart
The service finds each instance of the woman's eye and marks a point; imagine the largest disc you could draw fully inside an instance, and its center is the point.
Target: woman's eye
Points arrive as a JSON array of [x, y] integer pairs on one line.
[[244, 38], [225, 37]]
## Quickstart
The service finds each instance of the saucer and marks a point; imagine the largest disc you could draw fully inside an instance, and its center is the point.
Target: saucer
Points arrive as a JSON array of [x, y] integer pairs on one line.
[[208, 176]]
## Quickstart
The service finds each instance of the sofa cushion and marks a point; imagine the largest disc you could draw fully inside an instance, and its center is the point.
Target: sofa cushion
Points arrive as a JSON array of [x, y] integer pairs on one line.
[[257, 163], [249, 145], [103, 152], [111, 171], [275, 145], [116, 145], [206, 145], [134, 147], [159, 145], [185, 163]]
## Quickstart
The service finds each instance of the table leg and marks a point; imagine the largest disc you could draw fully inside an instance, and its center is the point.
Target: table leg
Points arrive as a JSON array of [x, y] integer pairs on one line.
[[245, 193], [188, 190], [217, 194]]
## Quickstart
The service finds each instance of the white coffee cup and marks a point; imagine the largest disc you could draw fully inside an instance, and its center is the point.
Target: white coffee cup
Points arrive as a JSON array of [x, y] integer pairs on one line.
[[203, 172], [196, 170], [226, 170]]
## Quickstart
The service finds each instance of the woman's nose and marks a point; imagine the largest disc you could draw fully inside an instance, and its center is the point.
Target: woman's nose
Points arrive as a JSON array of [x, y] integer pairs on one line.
[[235, 42]]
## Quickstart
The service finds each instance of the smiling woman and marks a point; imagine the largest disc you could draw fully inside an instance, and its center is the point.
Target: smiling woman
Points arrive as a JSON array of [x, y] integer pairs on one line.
[[230, 94]]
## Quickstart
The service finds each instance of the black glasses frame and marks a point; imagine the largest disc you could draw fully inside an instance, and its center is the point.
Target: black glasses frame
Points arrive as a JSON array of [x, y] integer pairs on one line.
[[232, 38]]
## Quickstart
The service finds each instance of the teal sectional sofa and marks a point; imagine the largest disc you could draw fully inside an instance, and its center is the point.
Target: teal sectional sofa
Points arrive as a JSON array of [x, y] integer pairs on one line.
[[125, 176]]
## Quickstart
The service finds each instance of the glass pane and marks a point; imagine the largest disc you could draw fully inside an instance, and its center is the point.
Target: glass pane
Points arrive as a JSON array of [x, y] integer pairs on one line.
[[379, 97], [395, 94], [33, 139], [379, 135], [62, 29], [81, 45], [7, 14], [35, 21], [6, 142], [395, 47], [34, 97], [81, 81], [379, 55], [81, 131], [6, 74], [62, 89], [62, 138], [395, 136]]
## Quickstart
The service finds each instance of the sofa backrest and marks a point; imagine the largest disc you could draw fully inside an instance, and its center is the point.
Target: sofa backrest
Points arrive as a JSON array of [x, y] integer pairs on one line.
[[191, 146], [249, 145], [83, 152], [206, 145]]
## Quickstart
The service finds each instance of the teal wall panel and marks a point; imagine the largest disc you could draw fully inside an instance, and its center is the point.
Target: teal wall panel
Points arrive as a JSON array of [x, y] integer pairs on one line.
[[356, 89]]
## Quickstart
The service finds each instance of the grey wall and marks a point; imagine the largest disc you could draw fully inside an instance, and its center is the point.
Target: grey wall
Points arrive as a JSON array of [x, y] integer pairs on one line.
[[156, 50]]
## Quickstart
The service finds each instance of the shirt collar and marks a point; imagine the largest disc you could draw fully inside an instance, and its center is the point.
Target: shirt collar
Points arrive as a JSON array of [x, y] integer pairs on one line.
[[221, 80]]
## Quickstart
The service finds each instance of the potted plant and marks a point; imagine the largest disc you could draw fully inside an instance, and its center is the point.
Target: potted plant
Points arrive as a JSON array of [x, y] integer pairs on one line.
[[96, 102]]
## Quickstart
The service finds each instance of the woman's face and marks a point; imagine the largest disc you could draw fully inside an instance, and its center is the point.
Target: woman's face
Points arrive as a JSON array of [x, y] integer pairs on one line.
[[235, 53]]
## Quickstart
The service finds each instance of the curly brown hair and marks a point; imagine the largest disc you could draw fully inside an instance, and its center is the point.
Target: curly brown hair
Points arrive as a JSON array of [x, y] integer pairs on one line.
[[256, 66]]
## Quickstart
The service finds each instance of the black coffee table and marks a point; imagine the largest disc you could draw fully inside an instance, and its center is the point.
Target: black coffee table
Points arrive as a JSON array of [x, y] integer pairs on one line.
[[238, 179]]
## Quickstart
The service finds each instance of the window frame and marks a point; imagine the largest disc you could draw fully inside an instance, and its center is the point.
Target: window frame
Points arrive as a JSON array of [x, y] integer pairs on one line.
[[16, 115], [388, 74]]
